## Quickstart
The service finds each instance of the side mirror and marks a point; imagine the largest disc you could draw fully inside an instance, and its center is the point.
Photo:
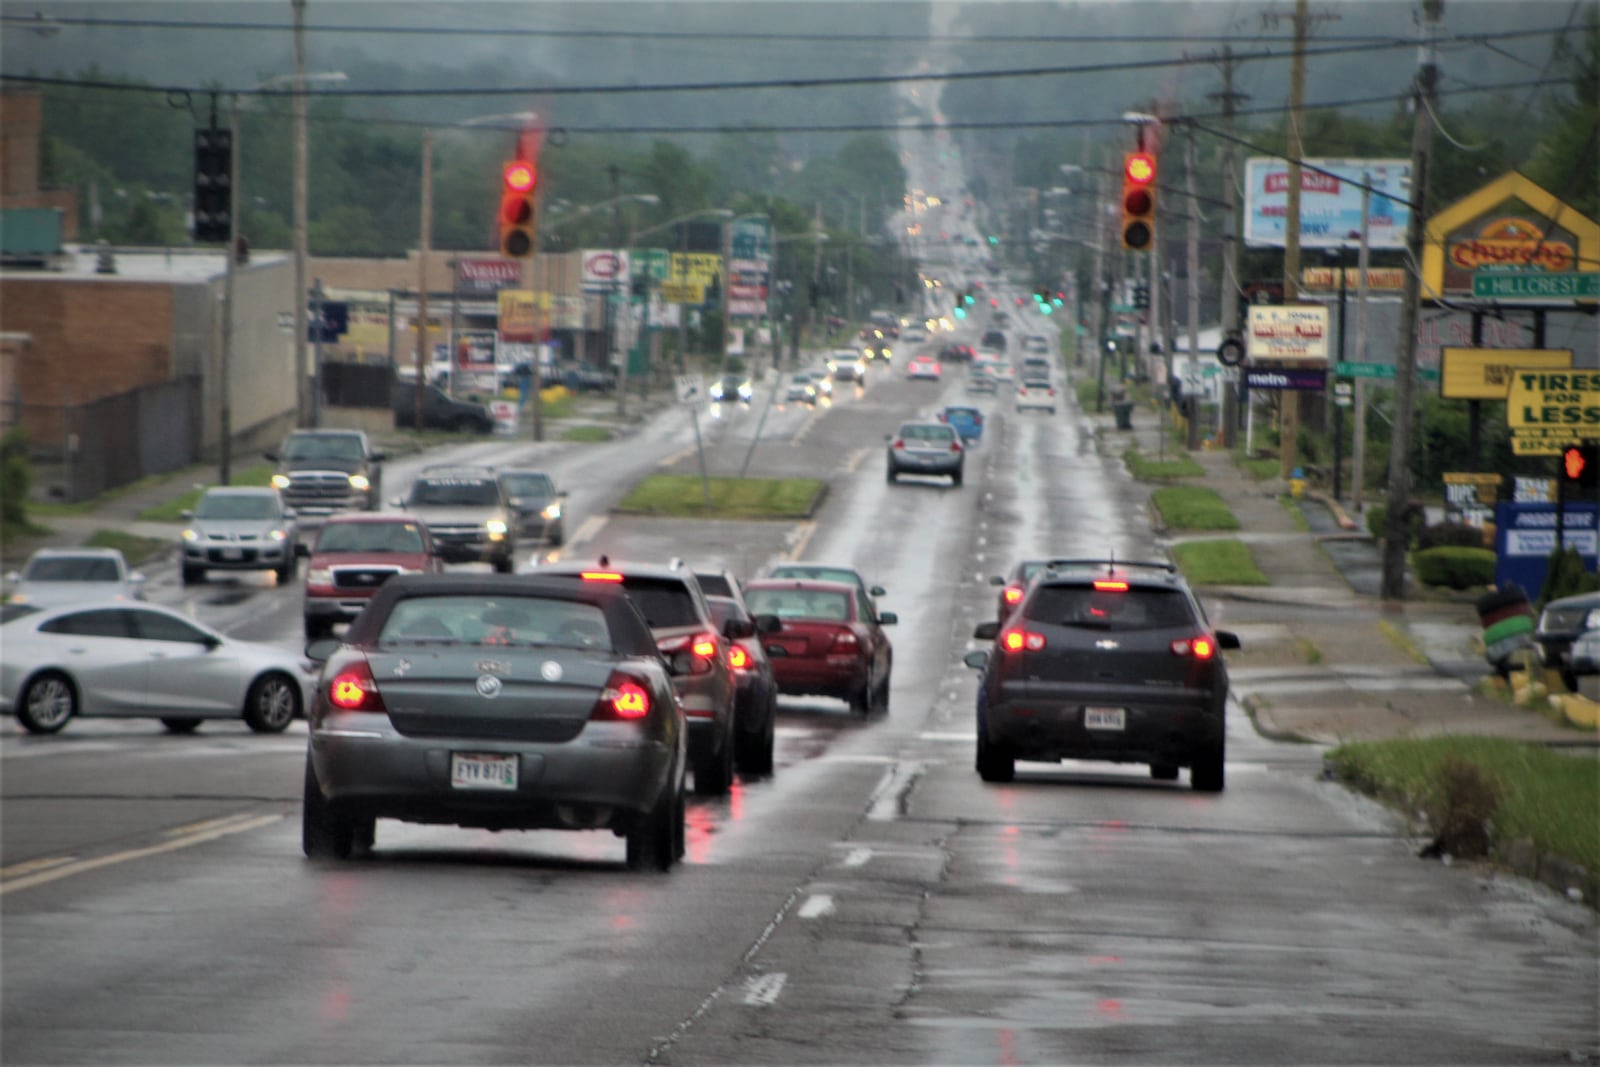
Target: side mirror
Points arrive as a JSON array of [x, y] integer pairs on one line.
[[397, 502], [322, 648], [378, 457], [289, 513], [774, 651], [561, 494], [995, 579], [734, 629], [768, 624], [978, 660], [876, 590], [273, 456], [136, 578], [1227, 639], [985, 631], [887, 618], [211, 643]]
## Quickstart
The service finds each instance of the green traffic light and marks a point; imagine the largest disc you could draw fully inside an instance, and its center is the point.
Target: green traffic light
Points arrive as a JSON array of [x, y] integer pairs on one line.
[[961, 313], [993, 239], [1045, 309]]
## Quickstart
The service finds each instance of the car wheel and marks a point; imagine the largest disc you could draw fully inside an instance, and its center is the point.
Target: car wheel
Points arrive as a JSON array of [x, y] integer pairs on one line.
[[180, 726], [713, 772], [1164, 772], [317, 626], [273, 703], [754, 754], [286, 572], [556, 538], [995, 764], [505, 565], [894, 476], [47, 704], [193, 575], [1207, 774], [880, 705], [861, 700], [955, 479], [324, 833], [653, 838]]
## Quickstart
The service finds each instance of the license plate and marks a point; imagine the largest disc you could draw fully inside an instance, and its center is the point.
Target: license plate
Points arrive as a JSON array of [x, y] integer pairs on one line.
[[482, 772], [233, 553], [1104, 718]]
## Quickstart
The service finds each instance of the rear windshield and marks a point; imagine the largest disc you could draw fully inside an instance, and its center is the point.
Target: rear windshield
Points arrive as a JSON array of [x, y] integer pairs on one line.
[[663, 603], [370, 537], [1085, 606], [800, 604], [455, 492], [71, 569], [925, 432], [714, 585], [497, 620], [821, 574]]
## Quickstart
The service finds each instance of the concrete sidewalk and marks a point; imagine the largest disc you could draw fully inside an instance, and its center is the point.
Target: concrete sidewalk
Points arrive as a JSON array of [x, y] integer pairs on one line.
[[1324, 658]]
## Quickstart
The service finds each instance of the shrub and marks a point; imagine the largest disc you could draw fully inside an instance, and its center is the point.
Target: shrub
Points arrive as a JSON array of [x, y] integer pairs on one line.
[[1460, 802], [1378, 518], [1564, 576], [14, 478], [1459, 534], [1455, 567]]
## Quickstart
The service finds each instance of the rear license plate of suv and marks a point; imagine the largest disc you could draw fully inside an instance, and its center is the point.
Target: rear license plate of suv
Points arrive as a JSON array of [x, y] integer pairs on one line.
[[1104, 718], [469, 771]]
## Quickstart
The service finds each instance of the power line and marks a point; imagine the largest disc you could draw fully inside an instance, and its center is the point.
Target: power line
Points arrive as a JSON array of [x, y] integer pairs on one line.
[[776, 83]]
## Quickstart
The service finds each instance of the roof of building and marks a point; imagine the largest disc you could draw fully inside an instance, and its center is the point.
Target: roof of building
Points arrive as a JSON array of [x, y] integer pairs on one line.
[[80, 263]]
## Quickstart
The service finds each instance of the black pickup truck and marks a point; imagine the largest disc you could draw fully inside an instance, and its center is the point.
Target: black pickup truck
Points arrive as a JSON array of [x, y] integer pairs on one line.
[[323, 472]]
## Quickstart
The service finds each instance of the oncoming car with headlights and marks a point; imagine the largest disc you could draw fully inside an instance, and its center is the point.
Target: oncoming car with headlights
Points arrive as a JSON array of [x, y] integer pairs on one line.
[[497, 703], [239, 528], [467, 513]]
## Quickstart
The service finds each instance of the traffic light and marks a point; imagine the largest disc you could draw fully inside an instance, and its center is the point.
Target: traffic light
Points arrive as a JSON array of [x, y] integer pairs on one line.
[[213, 184], [1141, 296], [1138, 201], [1580, 466], [519, 212]]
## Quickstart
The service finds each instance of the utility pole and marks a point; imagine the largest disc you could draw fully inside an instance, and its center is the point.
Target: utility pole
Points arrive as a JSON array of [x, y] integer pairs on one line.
[[816, 282], [1358, 462], [1193, 402], [1396, 528], [1097, 331], [225, 371], [1289, 404], [425, 241], [301, 224], [615, 333], [1230, 258]]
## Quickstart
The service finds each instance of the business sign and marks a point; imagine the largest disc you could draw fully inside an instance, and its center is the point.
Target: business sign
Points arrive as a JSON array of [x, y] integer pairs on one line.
[[1548, 410], [652, 263], [1535, 286], [488, 275], [1330, 206], [474, 351], [1379, 279], [1513, 228], [1470, 497], [523, 314], [1525, 535], [1288, 332], [1313, 380], [683, 293], [699, 268], [1485, 373], [604, 269]]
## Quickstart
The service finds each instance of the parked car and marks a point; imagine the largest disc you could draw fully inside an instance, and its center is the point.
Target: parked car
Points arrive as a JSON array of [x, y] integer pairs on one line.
[[967, 420], [94, 660], [440, 410], [467, 514], [538, 504], [755, 686], [351, 558], [499, 704], [1585, 661], [923, 368], [675, 609], [577, 376], [55, 576], [323, 472], [926, 448], [1560, 623], [825, 645], [239, 528], [1111, 661]]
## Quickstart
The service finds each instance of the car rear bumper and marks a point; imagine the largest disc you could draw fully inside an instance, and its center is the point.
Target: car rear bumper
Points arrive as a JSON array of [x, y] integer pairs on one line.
[[799, 676], [1036, 730], [911, 463]]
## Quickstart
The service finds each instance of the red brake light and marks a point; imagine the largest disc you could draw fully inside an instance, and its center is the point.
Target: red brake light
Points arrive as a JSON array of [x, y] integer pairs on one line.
[[1013, 594], [623, 698], [600, 576], [1020, 640], [845, 640], [704, 646], [898, 443], [738, 658], [353, 689], [1201, 647], [1108, 585]]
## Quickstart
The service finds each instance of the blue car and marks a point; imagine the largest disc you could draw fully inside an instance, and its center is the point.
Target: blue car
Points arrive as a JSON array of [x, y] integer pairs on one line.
[[967, 420]]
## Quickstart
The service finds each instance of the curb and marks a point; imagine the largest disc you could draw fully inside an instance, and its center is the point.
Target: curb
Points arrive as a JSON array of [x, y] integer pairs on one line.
[[1340, 516]]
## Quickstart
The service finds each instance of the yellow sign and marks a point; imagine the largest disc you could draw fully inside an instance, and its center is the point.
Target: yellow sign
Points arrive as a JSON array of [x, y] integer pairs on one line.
[[1485, 373], [1510, 224], [1382, 278], [1546, 410], [522, 313], [696, 268], [682, 292]]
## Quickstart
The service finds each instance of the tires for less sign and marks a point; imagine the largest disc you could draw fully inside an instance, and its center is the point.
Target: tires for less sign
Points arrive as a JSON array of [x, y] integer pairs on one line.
[[1549, 409]]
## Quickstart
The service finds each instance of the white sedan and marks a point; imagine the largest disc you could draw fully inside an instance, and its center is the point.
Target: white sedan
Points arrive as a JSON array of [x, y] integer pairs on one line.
[[74, 575], [923, 368], [136, 660]]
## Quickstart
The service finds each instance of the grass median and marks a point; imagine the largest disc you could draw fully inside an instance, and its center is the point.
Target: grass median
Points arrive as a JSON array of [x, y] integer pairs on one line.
[[1193, 507], [1523, 791], [1151, 469], [684, 496], [1223, 561]]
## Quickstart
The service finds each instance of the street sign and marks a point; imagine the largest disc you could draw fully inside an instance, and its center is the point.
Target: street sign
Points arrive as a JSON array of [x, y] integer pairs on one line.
[[1535, 285], [1379, 370], [690, 389]]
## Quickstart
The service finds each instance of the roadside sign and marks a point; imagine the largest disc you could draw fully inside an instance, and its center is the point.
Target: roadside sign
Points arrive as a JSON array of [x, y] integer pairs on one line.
[[1485, 373], [690, 389], [683, 293], [1379, 370], [1288, 332], [1547, 410], [1536, 285]]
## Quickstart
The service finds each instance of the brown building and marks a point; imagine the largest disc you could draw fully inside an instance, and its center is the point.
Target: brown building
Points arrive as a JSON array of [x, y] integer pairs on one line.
[[21, 126]]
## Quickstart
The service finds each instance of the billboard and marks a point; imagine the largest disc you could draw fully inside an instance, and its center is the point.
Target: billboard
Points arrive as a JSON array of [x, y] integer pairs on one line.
[[1287, 331], [1330, 207]]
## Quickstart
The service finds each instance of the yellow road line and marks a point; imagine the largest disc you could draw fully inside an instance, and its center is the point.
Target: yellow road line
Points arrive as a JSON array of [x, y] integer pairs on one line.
[[198, 837]]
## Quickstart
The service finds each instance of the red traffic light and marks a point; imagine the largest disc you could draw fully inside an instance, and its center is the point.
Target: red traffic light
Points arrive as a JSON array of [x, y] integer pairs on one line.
[[1572, 464], [1140, 168], [520, 176]]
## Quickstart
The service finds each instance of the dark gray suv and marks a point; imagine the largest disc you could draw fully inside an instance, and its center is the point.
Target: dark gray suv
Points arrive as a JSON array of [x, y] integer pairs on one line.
[[1104, 660]]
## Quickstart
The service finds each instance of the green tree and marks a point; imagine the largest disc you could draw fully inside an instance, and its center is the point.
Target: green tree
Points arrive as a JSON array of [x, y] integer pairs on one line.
[[1566, 159]]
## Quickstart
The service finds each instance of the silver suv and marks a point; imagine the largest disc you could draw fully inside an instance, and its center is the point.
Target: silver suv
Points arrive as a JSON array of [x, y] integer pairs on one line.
[[240, 528], [467, 514]]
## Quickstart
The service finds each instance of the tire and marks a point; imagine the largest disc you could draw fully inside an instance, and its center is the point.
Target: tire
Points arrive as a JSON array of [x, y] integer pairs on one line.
[[193, 575], [880, 701], [317, 626], [286, 573], [1207, 775], [753, 757], [653, 839], [556, 539], [955, 479], [48, 703], [464, 425], [504, 565], [272, 703], [994, 763], [861, 701], [180, 726], [1164, 772], [713, 772], [894, 476], [324, 833]]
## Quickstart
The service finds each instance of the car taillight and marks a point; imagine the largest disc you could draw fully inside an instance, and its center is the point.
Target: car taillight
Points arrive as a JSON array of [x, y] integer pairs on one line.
[[1201, 647], [845, 641], [600, 576], [738, 658], [898, 443], [702, 645], [1012, 594], [353, 689], [622, 700], [1110, 585], [955, 446], [1019, 640]]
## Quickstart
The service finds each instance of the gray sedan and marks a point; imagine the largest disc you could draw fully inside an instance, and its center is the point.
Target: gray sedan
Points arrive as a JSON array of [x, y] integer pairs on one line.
[[119, 659], [926, 448]]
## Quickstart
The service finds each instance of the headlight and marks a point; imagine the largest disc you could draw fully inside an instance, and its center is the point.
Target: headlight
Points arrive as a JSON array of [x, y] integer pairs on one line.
[[280, 481], [17, 598], [279, 535], [359, 481], [497, 529], [319, 576], [551, 511], [1591, 621], [191, 535]]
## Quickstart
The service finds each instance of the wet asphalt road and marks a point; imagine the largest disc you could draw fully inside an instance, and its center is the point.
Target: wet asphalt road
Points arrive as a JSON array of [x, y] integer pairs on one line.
[[873, 902]]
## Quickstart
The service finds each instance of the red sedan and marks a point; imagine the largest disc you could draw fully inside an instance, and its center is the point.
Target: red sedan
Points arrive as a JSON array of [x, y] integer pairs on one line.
[[828, 644]]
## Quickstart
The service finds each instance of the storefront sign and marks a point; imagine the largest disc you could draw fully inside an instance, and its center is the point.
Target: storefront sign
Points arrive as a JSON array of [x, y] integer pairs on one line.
[[1313, 380], [1288, 332], [1485, 373], [487, 275], [1548, 410]]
